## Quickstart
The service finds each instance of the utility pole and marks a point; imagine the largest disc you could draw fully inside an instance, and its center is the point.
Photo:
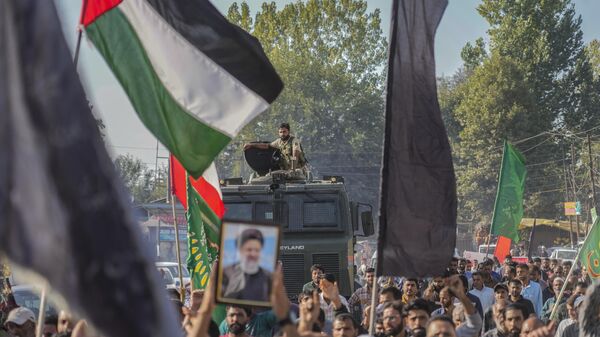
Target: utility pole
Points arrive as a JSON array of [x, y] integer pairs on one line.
[[594, 205], [156, 163], [574, 188], [567, 194]]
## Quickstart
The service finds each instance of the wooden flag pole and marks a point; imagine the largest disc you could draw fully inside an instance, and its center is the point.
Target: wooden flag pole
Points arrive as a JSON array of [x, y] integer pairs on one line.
[[487, 249], [373, 305], [181, 285], [531, 237], [562, 290], [487, 243], [41, 314]]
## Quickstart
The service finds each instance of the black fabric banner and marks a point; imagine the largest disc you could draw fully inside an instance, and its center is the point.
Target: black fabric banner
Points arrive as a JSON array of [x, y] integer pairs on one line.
[[64, 213], [417, 224]]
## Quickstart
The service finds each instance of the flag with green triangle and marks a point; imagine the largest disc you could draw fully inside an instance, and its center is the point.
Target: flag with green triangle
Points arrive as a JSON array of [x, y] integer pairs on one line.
[[508, 208]]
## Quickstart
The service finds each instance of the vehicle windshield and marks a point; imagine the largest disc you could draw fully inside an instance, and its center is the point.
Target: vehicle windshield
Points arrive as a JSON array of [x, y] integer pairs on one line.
[[483, 248], [175, 271], [166, 276], [30, 300], [566, 254]]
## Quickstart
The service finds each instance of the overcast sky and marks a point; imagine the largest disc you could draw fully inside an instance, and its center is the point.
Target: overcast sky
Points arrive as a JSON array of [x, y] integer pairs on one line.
[[126, 134]]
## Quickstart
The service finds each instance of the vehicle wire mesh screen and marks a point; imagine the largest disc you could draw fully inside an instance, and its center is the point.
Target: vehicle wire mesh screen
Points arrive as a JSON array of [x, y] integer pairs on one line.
[[320, 214], [239, 211], [329, 261], [293, 279]]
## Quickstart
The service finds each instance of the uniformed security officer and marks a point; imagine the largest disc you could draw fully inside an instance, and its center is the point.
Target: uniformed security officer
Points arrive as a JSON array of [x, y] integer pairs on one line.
[[292, 156]]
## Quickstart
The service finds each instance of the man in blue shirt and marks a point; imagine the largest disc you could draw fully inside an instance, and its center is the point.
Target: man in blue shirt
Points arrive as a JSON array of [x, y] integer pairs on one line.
[[531, 289]]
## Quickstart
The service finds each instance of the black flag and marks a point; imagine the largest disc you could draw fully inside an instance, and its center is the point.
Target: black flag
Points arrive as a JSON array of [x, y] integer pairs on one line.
[[63, 213], [417, 225]]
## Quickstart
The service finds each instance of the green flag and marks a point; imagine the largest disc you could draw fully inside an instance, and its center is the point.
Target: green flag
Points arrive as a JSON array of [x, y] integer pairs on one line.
[[203, 238], [589, 254], [508, 209]]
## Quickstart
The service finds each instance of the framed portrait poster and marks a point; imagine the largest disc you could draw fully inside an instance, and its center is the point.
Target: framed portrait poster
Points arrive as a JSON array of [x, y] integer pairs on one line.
[[247, 259]]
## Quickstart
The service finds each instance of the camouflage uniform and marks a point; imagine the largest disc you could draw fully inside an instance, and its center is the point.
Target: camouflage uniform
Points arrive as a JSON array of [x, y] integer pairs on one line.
[[286, 148]]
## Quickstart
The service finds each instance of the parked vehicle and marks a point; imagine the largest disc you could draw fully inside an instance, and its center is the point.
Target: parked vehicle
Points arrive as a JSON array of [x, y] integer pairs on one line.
[[564, 254], [29, 297], [484, 248], [169, 272]]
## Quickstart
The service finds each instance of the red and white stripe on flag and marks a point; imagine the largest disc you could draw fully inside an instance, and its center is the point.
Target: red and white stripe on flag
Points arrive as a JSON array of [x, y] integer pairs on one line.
[[207, 186]]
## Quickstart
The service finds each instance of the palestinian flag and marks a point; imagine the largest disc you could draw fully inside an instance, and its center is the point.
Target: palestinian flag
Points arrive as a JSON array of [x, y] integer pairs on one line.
[[193, 78]]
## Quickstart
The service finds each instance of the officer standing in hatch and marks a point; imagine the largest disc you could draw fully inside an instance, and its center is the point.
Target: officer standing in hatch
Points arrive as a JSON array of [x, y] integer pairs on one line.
[[292, 156]]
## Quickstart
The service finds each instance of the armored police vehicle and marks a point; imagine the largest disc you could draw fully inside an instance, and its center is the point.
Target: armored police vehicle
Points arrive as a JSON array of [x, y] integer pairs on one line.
[[319, 223]]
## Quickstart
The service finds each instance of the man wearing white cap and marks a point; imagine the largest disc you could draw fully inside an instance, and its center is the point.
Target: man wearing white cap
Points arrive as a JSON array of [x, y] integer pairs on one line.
[[20, 322]]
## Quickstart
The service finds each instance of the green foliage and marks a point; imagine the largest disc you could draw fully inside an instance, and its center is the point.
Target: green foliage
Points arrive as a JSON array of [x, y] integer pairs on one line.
[[474, 55], [144, 184], [331, 55], [534, 75], [449, 96], [593, 52]]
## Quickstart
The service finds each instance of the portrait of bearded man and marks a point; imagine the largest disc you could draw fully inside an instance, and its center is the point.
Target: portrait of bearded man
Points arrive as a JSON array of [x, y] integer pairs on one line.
[[245, 279]]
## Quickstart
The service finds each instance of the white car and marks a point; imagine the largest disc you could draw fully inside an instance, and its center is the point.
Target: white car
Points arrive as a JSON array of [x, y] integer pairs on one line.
[[169, 272], [564, 254], [483, 249]]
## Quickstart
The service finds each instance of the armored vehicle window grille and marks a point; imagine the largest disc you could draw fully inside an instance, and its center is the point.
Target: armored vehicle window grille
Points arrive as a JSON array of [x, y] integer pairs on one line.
[[264, 212], [329, 261], [293, 268], [295, 213], [320, 214], [239, 211]]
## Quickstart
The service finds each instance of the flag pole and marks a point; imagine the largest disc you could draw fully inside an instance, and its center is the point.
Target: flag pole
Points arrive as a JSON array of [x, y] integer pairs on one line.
[[531, 237], [373, 301], [487, 249], [171, 191], [487, 243], [559, 297], [181, 286], [79, 33], [41, 314]]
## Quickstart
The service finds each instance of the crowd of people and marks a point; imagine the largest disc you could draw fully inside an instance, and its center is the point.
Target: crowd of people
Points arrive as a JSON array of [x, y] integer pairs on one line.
[[469, 300]]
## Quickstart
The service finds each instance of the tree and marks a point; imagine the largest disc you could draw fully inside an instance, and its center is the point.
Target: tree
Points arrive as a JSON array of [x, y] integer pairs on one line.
[[533, 76], [144, 184], [331, 56], [474, 55], [593, 52]]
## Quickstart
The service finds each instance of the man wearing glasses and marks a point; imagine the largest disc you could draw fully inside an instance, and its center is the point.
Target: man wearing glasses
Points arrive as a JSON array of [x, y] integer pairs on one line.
[[392, 319]]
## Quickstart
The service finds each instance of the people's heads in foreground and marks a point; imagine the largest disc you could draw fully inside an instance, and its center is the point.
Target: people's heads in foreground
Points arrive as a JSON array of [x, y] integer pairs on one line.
[[416, 316], [344, 325], [513, 319], [392, 318], [20, 322], [237, 318]]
